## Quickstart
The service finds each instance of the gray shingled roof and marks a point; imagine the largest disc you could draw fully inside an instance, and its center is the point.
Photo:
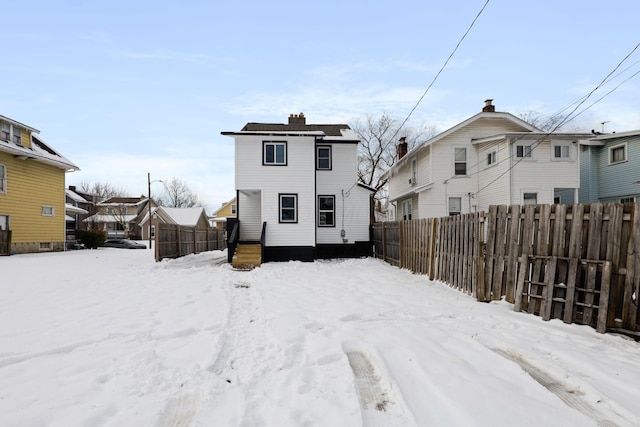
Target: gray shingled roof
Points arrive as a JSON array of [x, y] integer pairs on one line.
[[329, 130]]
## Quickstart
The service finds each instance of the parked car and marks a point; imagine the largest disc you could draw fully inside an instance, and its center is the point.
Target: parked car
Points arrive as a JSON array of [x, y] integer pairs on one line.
[[124, 243]]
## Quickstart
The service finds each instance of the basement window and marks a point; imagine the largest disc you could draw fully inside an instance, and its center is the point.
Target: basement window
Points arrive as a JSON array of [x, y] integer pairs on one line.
[[48, 211]]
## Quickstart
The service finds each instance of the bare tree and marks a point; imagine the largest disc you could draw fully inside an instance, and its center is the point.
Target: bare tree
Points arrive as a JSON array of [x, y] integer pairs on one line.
[[377, 150], [546, 123], [103, 190], [178, 195]]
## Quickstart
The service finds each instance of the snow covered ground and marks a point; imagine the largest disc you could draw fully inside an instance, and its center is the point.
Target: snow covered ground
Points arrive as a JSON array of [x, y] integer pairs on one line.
[[110, 338]]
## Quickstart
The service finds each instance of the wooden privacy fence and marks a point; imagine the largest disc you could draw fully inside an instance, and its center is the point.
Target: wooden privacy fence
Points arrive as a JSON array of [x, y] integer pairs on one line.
[[5, 242], [174, 241], [579, 263]]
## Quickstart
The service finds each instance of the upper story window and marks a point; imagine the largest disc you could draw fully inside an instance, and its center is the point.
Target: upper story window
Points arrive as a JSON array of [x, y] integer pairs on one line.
[[6, 131], [274, 153], [618, 153], [460, 161], [48, 211], [3, 179], [326, 211], [561, 151], [17, 135], [491, 158], [234, 208], [323, 157], [110, 210], [523, 151], [288, 208]]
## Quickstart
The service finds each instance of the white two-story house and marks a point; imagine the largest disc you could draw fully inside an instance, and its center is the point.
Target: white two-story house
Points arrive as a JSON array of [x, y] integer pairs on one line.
[[492, 158], [297, 190]]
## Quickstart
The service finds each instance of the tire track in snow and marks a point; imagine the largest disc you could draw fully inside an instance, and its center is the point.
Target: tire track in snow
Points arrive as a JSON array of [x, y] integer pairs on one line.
[[570, 395], [380, 402], [181, 412]]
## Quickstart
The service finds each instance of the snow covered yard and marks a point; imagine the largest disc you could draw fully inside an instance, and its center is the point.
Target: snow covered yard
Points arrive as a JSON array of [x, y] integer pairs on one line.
[[110, 338]]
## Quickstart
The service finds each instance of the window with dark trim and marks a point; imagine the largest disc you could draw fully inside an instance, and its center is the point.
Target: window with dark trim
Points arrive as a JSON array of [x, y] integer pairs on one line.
[[323, 157], [326, 211], [274, 153], [288, 208]]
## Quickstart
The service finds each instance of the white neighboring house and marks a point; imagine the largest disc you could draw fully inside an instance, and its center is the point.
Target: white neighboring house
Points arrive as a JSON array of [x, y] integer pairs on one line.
[[492, 158], [299, 183]]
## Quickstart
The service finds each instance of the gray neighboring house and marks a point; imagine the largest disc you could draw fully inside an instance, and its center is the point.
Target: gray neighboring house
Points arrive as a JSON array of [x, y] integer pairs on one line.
[[610, 168]]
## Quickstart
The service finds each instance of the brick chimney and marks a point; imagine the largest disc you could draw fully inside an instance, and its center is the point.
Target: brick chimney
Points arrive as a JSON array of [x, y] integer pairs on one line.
[[402, 147], [488, 106], [297, 119]]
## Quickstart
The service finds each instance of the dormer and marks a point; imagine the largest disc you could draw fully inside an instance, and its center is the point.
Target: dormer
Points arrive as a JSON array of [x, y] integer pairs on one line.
[[16, 132]]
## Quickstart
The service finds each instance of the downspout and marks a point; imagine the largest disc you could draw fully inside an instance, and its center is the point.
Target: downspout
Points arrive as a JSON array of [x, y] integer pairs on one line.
[[511, 166]]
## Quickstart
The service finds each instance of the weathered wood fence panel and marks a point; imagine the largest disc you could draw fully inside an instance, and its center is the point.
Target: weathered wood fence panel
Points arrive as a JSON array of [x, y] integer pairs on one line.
[[579, 263], [174, 241], [387, 237], [5, 242]]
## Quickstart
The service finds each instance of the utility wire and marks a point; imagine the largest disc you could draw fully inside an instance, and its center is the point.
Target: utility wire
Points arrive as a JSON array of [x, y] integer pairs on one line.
[[441, 69], [569, 117]]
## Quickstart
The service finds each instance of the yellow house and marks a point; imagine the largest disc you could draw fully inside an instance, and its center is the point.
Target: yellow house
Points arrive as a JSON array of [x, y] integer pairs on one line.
[[32, 189], [227, 210]]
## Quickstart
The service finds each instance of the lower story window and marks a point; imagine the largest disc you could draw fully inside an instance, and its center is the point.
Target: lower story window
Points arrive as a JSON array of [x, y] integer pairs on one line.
[[326, 211], [627, 200], [288, 208], [48, 211], [45, 246], [4, 222], [455, 205], [530, 198], [407, 208]]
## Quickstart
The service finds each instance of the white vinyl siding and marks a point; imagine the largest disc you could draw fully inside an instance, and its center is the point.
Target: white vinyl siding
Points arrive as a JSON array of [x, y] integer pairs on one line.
[[352, 202], [543, 175]]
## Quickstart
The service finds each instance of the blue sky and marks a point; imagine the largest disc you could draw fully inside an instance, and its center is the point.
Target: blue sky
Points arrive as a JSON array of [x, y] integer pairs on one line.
[[126, 88]]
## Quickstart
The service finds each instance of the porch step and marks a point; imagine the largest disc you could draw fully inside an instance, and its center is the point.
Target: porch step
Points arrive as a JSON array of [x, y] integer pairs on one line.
[[247, 256]]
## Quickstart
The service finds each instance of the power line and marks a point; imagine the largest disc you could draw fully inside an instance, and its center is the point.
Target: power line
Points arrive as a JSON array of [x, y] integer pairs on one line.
[[441, 69], [569, 117]]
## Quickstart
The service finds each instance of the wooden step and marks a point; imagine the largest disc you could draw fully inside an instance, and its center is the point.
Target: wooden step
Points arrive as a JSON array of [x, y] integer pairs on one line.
[[247, 256]]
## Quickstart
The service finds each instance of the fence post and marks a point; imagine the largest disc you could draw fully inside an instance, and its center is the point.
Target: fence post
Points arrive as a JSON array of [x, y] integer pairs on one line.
[[384, 245]]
